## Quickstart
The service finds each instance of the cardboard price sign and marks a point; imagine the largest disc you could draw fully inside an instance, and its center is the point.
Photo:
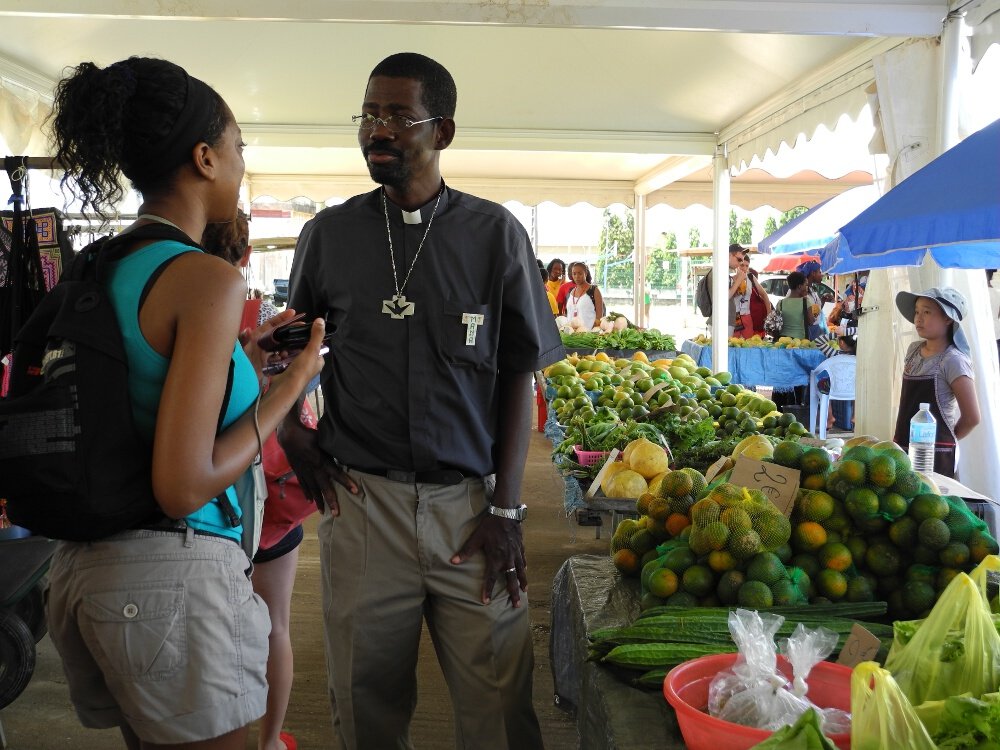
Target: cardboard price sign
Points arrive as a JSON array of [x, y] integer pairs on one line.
[[778, 483], [654, 390], [860, 646], [717, 468], [596, 484]]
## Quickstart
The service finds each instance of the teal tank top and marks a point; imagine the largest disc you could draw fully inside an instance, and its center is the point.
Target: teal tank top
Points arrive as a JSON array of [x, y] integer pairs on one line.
[[148, 368]]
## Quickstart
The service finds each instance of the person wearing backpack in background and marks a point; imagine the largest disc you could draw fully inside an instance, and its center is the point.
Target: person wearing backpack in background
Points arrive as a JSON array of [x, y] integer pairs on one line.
[[145, 620], [796, 314], [703, 295]]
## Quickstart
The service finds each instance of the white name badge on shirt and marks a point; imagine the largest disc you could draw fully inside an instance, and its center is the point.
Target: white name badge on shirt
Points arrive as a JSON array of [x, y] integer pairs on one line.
[[472, 322]]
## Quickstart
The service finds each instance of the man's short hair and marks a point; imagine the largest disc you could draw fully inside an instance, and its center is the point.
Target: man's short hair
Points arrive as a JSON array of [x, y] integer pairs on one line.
[[437, 87]]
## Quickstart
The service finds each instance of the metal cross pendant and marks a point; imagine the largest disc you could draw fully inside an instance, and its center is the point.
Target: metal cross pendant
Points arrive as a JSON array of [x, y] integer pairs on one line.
[[397, 307], [472, 322]]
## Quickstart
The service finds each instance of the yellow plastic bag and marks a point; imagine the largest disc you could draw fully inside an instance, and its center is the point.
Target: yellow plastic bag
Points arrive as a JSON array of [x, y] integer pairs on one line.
[[881, 716], [955, 650], [988, 569]]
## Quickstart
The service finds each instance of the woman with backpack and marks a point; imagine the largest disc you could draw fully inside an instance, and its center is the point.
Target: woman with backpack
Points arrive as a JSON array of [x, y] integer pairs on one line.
[[796, 314], [584, 301], [276, 560], [158, 627]]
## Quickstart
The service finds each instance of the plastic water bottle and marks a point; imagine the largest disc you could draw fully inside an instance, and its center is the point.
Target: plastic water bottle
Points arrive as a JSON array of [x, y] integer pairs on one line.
[[923, 434]]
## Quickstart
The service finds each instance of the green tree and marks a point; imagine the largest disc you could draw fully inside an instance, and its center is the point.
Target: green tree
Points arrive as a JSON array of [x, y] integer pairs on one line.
[[740, 231], [770, 226], [745, 233], [615, 264], [662, 267], [793, 213], [694, 237]]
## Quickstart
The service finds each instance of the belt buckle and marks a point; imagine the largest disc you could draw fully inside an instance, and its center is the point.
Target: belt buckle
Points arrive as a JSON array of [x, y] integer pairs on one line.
[[451, 477], [407, 477]]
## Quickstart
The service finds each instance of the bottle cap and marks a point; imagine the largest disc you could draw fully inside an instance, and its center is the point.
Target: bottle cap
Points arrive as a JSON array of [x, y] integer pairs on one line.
[[925, 407]]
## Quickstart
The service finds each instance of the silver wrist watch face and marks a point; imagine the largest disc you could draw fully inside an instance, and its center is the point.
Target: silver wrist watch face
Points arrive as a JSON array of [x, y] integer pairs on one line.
[[514, 514]]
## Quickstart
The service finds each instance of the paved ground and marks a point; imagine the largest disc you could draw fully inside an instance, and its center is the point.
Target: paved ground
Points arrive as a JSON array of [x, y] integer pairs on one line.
[[42, 719]]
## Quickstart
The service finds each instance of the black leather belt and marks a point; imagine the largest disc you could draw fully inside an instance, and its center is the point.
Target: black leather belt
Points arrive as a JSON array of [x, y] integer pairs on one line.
[[438, 476]]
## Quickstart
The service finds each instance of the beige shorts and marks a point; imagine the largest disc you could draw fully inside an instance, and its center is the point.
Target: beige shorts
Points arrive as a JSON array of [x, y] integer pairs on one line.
[[167, 638]]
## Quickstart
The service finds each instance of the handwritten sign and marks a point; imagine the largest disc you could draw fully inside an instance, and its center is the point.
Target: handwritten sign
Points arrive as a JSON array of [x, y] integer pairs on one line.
[[778, 483], [596, 484], [860, 646]]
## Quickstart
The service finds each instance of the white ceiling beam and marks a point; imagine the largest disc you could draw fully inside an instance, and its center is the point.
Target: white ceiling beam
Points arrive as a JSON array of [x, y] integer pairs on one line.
[[469, 138], [848, 17], [670, 170]]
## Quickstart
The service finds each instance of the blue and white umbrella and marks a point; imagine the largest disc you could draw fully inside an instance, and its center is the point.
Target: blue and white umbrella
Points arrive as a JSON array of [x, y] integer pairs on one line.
[[949, 209], [818, 226]]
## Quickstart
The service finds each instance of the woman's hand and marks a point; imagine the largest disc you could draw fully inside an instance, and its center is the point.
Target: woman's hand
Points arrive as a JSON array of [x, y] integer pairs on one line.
[[308, 363], [249, 337]]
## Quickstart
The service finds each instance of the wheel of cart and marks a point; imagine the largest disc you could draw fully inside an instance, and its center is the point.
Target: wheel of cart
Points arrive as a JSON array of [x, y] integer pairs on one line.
[[24, 562]]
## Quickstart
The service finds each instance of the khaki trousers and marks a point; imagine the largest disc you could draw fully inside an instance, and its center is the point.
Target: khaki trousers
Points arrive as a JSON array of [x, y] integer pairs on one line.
[[386, 568]]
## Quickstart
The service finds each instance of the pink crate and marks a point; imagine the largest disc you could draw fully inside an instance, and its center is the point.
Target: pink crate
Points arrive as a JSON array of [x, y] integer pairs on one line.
[[589, 458]]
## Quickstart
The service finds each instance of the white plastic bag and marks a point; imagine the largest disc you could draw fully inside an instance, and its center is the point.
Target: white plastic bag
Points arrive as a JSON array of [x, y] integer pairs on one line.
[[754, 693], [804, 650]]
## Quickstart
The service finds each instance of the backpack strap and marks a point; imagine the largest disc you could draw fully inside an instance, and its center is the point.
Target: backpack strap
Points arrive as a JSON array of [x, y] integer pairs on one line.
[[591, 293]]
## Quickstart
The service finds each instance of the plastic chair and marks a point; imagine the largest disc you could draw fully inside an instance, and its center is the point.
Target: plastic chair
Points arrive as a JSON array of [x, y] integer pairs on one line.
[[841, 370]]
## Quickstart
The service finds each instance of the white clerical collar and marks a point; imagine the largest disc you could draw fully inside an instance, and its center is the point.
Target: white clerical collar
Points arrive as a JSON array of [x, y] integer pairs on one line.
[[412, 217]]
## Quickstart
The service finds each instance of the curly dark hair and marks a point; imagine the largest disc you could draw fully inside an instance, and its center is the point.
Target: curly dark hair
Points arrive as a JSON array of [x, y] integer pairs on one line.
[[105, 120], [228, 240], [437, 87], [796, 279]]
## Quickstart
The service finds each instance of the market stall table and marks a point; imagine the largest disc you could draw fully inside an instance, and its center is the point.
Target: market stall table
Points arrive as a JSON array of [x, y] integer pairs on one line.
[[587, 594], [783, 369]]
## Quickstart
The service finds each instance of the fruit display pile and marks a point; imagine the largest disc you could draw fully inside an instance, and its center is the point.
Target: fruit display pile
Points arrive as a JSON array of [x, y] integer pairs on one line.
[[864, 528], [755, 342], [700, 415]]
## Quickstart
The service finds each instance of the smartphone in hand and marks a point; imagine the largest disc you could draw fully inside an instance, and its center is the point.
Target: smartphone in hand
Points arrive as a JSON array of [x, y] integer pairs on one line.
[[292, 334], [280, 365]]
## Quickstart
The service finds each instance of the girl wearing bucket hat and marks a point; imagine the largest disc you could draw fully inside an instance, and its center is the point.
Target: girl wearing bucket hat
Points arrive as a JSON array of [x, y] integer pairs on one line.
[[938, 371]]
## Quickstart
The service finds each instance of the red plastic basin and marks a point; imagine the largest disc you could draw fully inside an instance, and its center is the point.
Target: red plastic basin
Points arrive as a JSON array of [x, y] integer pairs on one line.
[[686, 689]]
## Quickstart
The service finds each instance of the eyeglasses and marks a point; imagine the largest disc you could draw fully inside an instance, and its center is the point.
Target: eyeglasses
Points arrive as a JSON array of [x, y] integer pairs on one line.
[[393, 123]]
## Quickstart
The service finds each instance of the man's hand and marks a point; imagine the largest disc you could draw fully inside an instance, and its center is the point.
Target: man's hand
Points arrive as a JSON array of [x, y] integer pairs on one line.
[[500, 539], [316, 473]]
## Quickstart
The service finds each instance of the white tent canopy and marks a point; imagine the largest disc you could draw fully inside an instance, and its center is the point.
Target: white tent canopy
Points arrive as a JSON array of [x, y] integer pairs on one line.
[[577, 101]]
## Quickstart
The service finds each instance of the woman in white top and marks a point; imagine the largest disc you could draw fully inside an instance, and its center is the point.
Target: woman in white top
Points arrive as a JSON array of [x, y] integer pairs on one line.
[[584, 300]]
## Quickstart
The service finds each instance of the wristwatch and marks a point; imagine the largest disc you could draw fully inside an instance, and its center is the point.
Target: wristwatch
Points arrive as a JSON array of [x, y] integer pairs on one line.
[[512, 514]]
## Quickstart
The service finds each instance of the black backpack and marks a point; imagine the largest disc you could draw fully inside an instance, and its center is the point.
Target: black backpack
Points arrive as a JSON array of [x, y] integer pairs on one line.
[[72, 464], [703, 295]]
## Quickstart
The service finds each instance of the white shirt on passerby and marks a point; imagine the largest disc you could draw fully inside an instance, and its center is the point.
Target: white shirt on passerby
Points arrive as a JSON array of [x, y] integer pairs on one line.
[[581, 307]]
